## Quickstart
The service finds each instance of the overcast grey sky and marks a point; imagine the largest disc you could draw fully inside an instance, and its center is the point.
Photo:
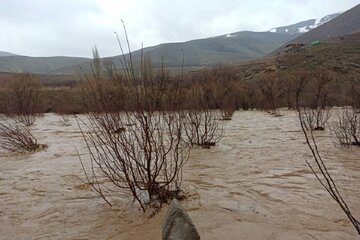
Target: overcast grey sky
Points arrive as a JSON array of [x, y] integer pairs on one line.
[[72, 27]]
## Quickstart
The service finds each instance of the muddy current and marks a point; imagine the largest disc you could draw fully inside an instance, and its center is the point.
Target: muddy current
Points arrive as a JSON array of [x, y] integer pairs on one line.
[[254, 184]]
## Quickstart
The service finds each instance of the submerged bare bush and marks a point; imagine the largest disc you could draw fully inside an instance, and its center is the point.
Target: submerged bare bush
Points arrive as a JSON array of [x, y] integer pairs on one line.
[[228, 101], [346, 128], [249, 96], [354, 93], [65, 119], [227, 113], [272, 93], [315, 118], [203, 127], [141, 153], [16, 137], [27, 119], [318, 112]]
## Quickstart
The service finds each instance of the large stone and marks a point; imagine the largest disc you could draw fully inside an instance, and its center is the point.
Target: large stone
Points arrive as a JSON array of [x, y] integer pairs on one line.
[[178, 224]]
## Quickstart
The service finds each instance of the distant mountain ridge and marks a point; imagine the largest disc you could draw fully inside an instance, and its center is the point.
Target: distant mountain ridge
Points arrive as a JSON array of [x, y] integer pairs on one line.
[[225, 49], [229, 48], [305, 26], [6, 54], [39, 65]]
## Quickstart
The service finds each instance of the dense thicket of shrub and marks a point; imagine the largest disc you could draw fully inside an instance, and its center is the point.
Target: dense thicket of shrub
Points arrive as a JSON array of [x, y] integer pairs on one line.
[[221, 87]]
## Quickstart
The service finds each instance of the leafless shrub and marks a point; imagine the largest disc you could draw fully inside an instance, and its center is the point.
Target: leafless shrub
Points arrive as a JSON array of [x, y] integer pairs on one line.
[[99, 93], [354, 93], [202, 124], [346, 128], [227, 104], [315, 118], [288, 84], [272, 92], [23, 96], [64, 101], [26, 119], [318, 113], [249, 97], [16, 137], [227, 113], [138, 152], [320, 170], [65, 119], [300, 82], [203, 127], [294, 85]]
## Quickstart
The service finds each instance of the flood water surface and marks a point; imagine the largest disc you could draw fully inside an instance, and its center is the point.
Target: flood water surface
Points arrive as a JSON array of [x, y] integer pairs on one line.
[[254, 184]]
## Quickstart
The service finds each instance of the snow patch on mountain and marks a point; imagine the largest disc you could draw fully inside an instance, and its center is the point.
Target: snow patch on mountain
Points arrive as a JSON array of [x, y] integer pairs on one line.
[[303, 30], [230, 35]]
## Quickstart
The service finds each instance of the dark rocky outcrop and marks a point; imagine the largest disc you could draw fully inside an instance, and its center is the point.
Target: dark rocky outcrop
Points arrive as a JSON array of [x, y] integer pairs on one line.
[[178, 225]]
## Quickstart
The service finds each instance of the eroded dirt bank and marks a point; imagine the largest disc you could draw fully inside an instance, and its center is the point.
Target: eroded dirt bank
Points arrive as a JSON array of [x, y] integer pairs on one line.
[[254, 184]]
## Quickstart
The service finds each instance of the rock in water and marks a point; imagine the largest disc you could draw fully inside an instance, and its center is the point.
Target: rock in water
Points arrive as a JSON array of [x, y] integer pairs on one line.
[[178, 224]]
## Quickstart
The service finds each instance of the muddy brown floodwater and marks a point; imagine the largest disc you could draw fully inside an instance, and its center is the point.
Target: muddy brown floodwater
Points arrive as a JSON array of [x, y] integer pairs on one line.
[[254, 184]]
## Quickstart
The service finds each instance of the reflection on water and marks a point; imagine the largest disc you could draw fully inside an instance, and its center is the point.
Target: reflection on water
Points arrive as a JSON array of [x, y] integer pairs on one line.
[[254, 184]]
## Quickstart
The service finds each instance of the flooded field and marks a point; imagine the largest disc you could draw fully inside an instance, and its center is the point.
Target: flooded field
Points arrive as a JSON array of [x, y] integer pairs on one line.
[[254, 184]]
